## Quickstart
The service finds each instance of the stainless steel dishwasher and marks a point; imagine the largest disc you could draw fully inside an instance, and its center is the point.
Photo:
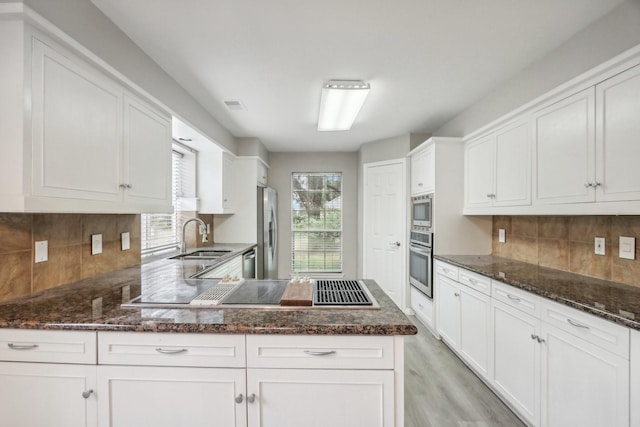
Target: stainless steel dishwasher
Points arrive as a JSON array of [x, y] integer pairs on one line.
[[249, 264]]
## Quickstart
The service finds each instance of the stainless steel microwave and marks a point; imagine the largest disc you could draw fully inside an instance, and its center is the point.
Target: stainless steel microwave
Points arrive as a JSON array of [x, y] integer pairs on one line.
[[422, 211]]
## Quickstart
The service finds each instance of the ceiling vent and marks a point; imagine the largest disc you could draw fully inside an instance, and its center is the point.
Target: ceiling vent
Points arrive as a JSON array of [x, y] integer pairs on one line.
[[234, 105]]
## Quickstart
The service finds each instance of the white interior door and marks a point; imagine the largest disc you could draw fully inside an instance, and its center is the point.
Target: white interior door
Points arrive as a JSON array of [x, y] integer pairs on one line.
[[384, 248]]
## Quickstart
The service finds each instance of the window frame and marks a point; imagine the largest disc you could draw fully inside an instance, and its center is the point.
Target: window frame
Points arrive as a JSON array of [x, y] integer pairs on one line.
[[339, 231]]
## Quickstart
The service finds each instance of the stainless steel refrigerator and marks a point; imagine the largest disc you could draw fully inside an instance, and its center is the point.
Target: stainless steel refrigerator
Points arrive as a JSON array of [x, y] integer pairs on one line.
[[267, 256]]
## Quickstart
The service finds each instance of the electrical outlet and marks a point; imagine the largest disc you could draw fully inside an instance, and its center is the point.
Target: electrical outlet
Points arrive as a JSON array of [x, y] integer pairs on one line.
[[96, 244], [627, 247], [125, 239], [599, 246], [502, 235], [42, 251]]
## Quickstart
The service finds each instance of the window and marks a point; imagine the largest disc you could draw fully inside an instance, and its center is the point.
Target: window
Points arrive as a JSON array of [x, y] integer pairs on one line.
[[316, 216], [161, 232]]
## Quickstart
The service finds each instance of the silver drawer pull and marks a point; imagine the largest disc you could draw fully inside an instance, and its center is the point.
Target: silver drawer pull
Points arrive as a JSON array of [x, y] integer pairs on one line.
[[511, 297], [474, 281], [577, 325], [239, 398], [251, 398], [87, 393], [319, 353], [170, 351], [22, 347]]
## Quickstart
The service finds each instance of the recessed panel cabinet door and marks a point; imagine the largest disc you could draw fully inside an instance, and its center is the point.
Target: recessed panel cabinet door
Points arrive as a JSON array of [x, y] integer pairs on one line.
[[582, 384], [513, 166], [43, 394], [447, 297], [565, 150], [136, 396], [147, 160], [479, 164], [618, 137], [77, 129], [320, 398]]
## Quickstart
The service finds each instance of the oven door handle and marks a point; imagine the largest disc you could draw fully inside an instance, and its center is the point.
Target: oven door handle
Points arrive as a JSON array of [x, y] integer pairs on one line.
[[420, 250]]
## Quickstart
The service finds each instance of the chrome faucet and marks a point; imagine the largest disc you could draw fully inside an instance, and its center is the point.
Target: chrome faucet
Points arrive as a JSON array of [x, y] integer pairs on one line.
[[203, 231]]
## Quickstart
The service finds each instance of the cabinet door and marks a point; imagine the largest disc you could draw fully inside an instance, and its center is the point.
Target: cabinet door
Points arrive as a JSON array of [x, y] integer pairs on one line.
[[513, 166], [42, 394], [147, 155], [132, 396], [423, 176], [261, 173], [474, 329], [618, 137], [227, 183], [516, 359], [635, 378], [319, 398], [565, 150], [478, 173], [447, 297], [77, 129], [582, 384]]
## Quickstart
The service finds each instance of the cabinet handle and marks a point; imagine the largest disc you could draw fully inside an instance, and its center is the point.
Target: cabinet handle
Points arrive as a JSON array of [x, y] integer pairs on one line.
[[537, 338], [511, 297], [170, 351], [419, 184], [87, 393], [319, 353], [577, 325], [456, 294], [473, 281], [128, 186], [251, 398], [540, 340], [22, 347], [597, 184], [491, 196], [588, 184], [239, 398]]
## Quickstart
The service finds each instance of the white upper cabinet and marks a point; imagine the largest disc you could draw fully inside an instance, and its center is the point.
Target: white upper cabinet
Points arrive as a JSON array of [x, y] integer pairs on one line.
[[565, 150], [497, 168], [262, 172], [215, 182], [618, 137], [80, 141], [423, 175]]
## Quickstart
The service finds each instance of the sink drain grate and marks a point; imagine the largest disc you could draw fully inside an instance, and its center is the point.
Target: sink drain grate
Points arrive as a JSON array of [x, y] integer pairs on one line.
[[339, 292], [213, 295]]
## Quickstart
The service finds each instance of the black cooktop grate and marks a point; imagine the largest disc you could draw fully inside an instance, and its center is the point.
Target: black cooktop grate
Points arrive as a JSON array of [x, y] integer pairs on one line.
[[339, 292]]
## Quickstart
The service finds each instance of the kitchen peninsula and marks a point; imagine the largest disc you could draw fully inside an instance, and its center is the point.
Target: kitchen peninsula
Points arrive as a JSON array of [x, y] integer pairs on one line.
[[91, 362]]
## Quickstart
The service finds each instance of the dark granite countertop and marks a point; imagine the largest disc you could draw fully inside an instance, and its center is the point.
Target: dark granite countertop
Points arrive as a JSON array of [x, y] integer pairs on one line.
[[613, 301], [94, 304]]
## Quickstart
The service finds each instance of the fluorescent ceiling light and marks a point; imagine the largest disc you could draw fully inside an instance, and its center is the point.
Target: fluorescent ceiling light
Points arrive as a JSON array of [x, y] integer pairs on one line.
[[340, 103]]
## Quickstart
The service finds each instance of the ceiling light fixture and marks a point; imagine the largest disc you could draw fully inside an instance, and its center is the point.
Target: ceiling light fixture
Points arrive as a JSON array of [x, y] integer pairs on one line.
[[340, 103]]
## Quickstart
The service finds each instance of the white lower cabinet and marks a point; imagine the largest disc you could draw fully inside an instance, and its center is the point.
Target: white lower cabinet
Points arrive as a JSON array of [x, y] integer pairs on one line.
[[582, 384], [635, 379], [133, 396], [318, 398], [423, 308], [47, 394], [464, 321], [516, 359]]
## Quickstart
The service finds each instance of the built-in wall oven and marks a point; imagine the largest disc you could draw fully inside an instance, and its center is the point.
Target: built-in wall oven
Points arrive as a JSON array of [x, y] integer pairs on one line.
[[420, 261]]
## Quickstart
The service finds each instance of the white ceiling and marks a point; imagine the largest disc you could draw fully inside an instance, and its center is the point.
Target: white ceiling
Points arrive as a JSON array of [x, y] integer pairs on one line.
[[426, 60]]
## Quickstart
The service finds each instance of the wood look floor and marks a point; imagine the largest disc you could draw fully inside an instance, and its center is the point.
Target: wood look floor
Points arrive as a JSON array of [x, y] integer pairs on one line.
[[441, 391]]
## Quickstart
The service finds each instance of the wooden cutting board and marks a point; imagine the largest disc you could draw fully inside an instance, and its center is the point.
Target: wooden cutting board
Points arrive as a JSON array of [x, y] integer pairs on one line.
[[297, 293]]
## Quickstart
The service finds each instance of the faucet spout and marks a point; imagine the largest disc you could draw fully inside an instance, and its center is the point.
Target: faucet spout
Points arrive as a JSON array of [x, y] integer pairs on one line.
[[203, 231]]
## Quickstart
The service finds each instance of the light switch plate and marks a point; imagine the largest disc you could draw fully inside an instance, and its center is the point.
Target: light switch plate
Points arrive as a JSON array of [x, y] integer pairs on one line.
[[42, 251], [502, 235], [125, 239], [598, 246], [96, 244], [627, 247]]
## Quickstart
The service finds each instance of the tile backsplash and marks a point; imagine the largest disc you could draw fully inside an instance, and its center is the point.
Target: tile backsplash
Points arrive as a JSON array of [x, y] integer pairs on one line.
[[567, 243], [69, 241]]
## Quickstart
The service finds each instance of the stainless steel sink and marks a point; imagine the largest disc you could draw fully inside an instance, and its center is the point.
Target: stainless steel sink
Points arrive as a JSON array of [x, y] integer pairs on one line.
[[203, 254]]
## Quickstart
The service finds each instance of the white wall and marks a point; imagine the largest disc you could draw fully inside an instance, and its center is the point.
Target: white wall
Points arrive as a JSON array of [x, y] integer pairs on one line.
[[282, 166], [86, 24], [609, 36]]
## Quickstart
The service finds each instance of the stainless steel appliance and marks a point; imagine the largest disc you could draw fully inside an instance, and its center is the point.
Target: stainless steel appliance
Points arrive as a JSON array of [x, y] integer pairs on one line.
[[267, 254], [249, 264], [422, 211], [421, 261]]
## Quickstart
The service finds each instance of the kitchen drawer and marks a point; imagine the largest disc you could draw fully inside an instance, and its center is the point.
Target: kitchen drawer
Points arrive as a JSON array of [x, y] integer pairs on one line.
[[446, 270], [522, 300], [422, 306], [164, 349], [600, 332], [313, 351], [475, 281], [25, 345]]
